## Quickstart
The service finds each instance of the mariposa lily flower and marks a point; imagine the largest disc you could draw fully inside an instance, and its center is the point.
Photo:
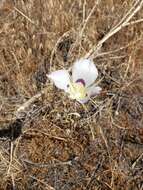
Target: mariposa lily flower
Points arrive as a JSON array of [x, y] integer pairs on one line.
[[80, 84]]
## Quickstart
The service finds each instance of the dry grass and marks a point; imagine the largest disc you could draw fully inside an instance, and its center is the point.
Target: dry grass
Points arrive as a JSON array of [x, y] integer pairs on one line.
[[51, 142]]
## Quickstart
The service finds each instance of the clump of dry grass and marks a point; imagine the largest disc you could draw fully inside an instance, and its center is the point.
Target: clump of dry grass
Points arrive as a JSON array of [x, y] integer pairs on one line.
[[61, 145]]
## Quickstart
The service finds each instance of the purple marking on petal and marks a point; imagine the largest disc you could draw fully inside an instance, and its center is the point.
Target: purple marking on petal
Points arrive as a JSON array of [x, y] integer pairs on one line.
[[81, 81]]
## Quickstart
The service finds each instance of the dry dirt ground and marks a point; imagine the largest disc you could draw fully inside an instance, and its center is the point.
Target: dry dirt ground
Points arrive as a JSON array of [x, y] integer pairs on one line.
[[54, 143]]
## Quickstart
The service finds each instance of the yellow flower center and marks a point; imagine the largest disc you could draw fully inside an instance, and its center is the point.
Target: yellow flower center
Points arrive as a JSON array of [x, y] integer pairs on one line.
[[77, 91]]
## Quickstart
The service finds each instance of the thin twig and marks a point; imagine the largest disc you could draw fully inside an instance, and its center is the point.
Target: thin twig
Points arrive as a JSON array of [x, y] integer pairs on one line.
[[48, 187], [13, 182], [66, 34], [11, 158], [119, 49], [42, 165], [24, 15], [136, 161], [134, 22], [114, 30], [24, 106], [87, 19], [127, 15]]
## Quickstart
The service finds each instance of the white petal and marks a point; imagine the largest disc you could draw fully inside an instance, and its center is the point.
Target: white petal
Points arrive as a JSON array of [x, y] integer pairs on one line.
[[83, 101], [61, 79], [84, 69], [93, 90]]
